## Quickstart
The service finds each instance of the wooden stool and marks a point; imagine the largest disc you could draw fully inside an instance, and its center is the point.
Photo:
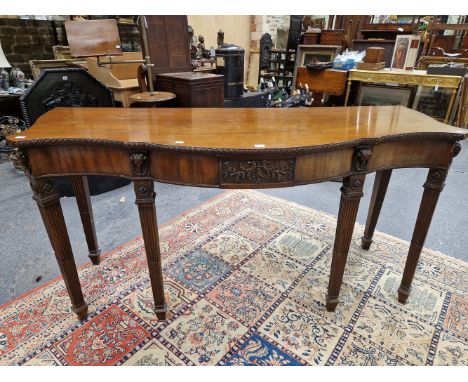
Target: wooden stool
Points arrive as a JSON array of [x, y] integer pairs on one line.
[[151, 98]]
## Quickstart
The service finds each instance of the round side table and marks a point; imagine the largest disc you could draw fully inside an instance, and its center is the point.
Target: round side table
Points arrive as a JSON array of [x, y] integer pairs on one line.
[[151, 99]]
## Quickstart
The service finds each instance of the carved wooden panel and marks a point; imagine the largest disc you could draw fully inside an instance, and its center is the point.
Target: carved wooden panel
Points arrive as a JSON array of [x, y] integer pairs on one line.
[[237, 171], [63, 87]]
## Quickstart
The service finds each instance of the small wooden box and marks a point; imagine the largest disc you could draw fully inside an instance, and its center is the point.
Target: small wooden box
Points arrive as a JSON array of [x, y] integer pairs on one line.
[[311, 38], [374, 55], [193, 89], [332, 37]]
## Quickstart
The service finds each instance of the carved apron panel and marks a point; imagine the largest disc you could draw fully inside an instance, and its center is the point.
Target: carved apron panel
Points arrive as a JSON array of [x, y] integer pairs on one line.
[[235, 171]]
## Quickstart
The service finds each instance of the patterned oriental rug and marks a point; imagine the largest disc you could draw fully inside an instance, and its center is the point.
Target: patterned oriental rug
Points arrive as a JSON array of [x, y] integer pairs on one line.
[[246, 277]]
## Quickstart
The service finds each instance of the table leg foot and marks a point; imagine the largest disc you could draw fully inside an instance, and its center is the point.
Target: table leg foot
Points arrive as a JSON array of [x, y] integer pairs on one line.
[[161, 312], [81, 311], [403, 294], [366, 242], [331, 303], [95, 257]]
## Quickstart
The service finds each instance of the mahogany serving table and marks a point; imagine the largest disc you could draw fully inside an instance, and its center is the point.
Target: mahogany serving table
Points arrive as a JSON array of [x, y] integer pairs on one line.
[[232, 148]]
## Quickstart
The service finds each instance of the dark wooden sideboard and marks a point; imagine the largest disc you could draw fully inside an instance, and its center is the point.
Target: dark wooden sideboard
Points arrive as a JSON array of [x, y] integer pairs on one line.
[[233, 148]]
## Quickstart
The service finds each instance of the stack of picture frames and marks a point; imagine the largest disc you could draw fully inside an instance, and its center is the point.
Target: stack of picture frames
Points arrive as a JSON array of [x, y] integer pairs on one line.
[[432, 101], [403, 58]]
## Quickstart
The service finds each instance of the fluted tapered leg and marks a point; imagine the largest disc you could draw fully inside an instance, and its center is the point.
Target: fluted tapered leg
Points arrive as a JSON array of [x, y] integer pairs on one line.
[[351, 194], [432, 188], [145, 195], [48, 201], [83, 200], [382, 178]]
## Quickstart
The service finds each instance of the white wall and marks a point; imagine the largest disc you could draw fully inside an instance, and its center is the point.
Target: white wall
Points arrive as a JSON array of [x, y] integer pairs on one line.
[[236, 31]]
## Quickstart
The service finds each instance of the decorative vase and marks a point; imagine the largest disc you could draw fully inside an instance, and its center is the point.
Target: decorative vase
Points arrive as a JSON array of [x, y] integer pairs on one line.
[[18, 77], [4, 80]]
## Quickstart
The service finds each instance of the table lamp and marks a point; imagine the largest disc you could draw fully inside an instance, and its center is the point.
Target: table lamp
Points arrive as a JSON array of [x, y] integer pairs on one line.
[[4, 83]]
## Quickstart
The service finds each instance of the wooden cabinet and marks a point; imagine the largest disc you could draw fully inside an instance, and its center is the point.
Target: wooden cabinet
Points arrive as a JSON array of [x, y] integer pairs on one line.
[[169, 51], [168, 43], [193, 89]]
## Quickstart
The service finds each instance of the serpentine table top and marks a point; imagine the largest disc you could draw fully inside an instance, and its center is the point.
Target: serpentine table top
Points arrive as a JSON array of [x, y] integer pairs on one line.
[[234, 129]]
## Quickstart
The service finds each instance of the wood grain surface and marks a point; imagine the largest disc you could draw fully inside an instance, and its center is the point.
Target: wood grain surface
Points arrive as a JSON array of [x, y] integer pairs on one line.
[[234, 128]]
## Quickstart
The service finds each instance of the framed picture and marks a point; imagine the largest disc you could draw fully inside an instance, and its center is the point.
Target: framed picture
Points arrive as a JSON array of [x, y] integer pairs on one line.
[[381, 95], [281, 38], [425, 61], [405, 52], [308, 54], [431, 102], [38, 66]]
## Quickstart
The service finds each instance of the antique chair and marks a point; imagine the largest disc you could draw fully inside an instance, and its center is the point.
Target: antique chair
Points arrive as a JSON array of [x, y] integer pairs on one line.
[[69, 87], [142, 79], [120, 78]]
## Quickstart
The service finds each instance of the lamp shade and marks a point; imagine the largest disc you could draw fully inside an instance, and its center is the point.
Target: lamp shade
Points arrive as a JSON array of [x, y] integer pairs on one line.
[[3, 61]]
